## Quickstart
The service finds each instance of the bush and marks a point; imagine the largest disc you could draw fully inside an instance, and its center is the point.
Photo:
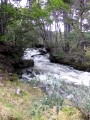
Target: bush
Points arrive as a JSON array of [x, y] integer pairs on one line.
[[45, 104], [80, 98]]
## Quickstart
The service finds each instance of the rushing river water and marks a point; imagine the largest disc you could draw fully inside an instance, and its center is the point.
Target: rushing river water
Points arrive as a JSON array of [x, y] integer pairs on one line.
[[51, 74]]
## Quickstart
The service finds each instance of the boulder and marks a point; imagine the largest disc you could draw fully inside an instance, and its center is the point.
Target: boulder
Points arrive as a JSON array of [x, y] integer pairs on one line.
[[27, 63], [42, 51], [48, 49], [39, 46]]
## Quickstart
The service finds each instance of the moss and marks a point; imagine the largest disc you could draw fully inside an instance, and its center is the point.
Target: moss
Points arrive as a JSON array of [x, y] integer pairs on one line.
[[70, 111]]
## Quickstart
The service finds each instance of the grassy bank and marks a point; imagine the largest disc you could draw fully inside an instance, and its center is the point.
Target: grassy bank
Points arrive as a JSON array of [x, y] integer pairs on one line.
[[15, 106], [27, 106]]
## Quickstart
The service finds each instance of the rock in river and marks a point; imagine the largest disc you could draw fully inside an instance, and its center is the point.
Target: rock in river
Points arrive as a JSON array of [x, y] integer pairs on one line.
[[27, 63]]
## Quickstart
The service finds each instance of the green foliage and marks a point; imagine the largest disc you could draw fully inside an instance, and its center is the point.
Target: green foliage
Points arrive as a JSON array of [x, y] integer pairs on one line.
[[87, 35], [69, 110], [53, 100], [68, 1], [57, 4], [80, 97], [11, 13], [21, 24], [72, 38], [45, 104], [20, 34], [38, 12], [9, 9]]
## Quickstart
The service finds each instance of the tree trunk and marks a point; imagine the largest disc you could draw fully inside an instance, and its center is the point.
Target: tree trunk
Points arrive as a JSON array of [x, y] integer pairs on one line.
[[67, 27], [83, 4], [3, 18]]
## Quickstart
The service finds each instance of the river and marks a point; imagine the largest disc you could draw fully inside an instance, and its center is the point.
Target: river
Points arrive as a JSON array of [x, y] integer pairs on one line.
[[50, 74]]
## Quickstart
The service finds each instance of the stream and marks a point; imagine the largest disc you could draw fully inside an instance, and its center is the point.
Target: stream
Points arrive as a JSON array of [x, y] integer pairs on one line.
[[49, 76]]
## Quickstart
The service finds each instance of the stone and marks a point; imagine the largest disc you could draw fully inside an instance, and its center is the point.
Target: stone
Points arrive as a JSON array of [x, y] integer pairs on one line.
[[42, 51], [27, 63], [39, 46], [18, 91]]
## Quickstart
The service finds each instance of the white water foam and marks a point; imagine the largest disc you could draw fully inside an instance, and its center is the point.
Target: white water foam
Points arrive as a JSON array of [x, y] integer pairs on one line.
[[54, 73]]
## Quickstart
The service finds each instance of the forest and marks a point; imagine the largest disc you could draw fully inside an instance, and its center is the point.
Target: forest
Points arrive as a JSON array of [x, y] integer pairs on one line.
[[59, 29]]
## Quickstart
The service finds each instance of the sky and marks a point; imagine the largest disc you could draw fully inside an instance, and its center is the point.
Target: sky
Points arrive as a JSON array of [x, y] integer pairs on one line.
[[23, 3]]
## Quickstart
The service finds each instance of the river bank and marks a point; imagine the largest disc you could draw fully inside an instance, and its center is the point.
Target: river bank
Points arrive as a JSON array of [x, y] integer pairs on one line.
[[27, 104], [11, 58], [15, 104], [44, 77], [78, 59]]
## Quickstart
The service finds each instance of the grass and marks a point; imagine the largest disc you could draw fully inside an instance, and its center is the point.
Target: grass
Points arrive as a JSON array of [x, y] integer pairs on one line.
[[14, 106], [28, 106], [67, 113]]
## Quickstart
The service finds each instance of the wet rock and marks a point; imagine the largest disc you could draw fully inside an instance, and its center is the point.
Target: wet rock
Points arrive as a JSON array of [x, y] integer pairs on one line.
[[42, 51], [39, 46], [24, 78], [48, 49], [29, 71], [37, 72], [32, 75], [27, 63]]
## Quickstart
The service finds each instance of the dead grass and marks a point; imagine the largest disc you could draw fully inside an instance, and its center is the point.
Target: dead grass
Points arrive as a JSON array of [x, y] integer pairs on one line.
[[67, 113]]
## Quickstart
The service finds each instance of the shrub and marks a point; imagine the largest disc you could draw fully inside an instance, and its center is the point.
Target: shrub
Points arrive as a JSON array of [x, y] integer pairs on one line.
[[80, 98]]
